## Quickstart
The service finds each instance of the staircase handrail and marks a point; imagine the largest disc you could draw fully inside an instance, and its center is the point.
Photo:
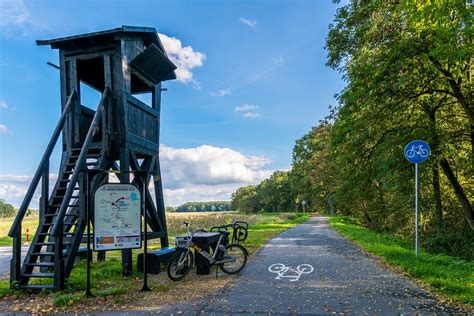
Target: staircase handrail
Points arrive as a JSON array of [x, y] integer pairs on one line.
[[57, 227], [45, 159]]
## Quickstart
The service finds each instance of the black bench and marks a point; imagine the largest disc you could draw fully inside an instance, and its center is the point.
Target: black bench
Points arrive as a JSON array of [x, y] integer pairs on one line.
[[82, 254], [154, 259]]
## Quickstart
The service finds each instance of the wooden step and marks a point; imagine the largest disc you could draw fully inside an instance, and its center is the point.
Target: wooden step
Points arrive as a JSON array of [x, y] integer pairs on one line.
[[41, 264], [45, 243], [43, 254], [58, 205], [51, 243], [39, 275], [64, 234], [67, 214], [36, 286]]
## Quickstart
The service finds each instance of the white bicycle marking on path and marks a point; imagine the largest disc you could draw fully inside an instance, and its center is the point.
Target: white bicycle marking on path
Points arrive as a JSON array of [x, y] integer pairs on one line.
[[284, 271]]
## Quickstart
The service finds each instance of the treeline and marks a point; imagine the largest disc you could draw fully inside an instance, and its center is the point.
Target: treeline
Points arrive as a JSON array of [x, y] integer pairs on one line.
[[211, 206], [6, 210], [408, 67]]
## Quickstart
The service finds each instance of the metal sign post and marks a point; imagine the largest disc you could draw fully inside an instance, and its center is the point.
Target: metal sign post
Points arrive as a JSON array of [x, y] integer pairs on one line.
[[145, 287], [88, 219], [416, 209], [416, 152]]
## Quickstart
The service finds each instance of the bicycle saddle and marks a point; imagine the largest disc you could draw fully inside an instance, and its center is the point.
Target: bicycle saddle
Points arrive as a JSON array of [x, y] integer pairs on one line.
[[224, 232]]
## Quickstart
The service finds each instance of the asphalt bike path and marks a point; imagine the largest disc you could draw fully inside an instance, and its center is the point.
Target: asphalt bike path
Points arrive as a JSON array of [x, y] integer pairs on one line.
[[6, 256], [310, 269]]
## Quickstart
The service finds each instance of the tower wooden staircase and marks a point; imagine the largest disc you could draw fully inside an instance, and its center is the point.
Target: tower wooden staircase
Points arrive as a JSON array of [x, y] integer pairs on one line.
[[52, 251]]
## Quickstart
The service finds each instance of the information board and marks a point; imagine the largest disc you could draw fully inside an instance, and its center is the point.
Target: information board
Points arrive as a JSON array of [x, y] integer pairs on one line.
[[117, 217]]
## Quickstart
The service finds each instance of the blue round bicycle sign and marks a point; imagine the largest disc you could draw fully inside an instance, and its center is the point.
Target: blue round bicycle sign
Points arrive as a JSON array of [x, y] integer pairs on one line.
[[417, 151]]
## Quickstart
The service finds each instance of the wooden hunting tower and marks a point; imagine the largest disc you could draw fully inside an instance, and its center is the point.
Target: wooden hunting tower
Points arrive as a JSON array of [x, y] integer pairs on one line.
[[121, 134]]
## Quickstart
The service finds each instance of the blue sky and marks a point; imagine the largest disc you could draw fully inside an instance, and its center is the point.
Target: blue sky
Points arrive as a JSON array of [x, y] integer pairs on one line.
[[252, 80]]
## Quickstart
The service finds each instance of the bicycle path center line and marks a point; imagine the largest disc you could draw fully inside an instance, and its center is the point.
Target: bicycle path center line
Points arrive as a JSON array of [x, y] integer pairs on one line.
[[344, 280]]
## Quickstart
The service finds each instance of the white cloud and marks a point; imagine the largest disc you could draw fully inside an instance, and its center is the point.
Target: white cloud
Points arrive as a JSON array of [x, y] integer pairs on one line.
[[221, 93], [3, 105], [208, 165], [197, 193], [13, 189], [278, 60], [248, 22], [248, 110], [246, 107], [16, 19], [185, 58], [251, 115], [208, 173], [5, 130], [189, 174]]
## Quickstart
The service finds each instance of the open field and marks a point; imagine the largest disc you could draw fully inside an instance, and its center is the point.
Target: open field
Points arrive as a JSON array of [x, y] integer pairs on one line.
[[30, 222], [451, 277], [174, 222], [114, 292]]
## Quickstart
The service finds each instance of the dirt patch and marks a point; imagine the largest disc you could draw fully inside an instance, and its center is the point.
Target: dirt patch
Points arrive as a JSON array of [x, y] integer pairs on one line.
[[163, 292]]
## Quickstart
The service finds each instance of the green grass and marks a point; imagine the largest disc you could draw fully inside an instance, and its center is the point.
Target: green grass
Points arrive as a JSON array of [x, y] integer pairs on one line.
[[272, 225], [30, 222], [107, 279], [449, 276]]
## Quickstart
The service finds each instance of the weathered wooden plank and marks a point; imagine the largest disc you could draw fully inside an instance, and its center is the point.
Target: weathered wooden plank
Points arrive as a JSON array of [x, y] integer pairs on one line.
[[160, 203], [141, 105], [142, 142], [107, 116], [73, 85], [156, 98], [90, 54], [44, 200]]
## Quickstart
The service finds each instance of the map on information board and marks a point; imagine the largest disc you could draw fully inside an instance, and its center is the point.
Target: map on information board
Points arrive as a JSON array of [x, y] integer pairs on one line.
[[117, 217]]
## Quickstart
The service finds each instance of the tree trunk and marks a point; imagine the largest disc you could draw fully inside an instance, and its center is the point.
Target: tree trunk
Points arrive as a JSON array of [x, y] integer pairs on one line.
[[438, 209], [459, 191], [330, 206]]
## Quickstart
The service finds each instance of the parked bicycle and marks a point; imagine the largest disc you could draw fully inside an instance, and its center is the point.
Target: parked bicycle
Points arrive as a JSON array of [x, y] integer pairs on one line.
[[231, 258], [239, 230]]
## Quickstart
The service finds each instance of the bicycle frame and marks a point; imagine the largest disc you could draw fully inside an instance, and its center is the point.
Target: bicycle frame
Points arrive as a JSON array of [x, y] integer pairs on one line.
[[211, 258]]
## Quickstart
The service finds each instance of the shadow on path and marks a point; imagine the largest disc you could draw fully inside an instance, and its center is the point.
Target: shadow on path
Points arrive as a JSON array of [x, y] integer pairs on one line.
[[344, 280]]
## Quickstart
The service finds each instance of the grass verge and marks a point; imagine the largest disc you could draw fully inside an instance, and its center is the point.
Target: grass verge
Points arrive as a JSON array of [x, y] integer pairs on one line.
[[448, 276], [115, 292]]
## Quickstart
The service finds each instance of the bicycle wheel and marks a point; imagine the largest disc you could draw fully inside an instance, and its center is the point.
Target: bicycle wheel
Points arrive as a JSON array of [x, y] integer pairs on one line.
[[240, 234], [276, 267], [180, 264], [238, 254], [305, 268]]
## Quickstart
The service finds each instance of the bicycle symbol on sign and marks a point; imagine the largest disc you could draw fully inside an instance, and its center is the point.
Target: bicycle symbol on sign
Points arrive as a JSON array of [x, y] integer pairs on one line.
[[287, 272], [417, 150]]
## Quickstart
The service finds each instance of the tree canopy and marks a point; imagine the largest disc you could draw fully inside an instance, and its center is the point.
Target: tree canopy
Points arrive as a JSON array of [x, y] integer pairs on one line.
[[408, 69]]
